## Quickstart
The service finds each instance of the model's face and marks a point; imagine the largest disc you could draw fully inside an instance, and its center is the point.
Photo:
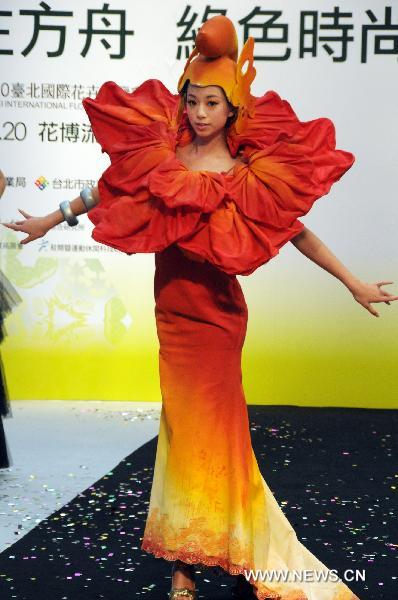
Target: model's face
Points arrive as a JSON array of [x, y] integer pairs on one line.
[[207, 109]]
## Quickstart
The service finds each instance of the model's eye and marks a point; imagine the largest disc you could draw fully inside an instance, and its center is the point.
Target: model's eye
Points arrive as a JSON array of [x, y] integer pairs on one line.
[[212, 103], [191, 102]]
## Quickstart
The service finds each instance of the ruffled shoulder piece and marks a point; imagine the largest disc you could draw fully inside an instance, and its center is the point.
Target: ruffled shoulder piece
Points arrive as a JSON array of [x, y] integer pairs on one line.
[[138, 132], [114, 111], [236, 220], [273, 120]]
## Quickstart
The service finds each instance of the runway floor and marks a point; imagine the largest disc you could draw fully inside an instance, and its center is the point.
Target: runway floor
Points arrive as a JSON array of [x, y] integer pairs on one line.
[[74, 502]]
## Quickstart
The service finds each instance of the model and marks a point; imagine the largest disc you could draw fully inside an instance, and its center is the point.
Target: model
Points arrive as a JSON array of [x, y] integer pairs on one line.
[[212, 180]]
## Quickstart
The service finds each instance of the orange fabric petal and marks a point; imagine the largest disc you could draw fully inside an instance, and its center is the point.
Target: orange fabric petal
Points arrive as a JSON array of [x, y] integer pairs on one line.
[[114, 110], [274, 120], [136, 131], [236, 244], [178, 186], [282, 181], [143, 225]]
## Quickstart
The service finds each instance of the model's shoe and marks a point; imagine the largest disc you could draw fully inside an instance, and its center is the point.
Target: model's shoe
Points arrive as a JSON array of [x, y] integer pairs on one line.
[[182, 593]]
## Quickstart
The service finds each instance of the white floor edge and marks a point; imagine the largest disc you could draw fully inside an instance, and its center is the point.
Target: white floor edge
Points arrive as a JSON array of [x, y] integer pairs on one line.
[[58, 449]]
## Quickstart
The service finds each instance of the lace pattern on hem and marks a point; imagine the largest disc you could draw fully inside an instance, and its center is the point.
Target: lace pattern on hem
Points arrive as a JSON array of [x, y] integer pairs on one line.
[[221, 566]]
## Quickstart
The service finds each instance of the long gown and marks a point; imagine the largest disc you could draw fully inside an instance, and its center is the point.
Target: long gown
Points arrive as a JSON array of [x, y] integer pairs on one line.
[[209, 503]]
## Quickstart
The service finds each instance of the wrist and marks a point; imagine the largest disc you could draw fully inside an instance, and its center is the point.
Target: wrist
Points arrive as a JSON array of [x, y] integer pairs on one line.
[[353, 285], [53, 219]]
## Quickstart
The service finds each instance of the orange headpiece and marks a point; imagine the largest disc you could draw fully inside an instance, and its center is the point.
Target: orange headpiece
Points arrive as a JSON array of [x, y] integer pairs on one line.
[[213, 62]]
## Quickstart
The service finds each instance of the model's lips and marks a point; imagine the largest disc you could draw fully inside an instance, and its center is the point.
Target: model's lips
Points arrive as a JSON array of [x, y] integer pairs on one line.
[[201, 125]]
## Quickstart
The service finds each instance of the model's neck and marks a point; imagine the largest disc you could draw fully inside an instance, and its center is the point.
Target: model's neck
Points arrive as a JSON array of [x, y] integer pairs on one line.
[[212, 144]]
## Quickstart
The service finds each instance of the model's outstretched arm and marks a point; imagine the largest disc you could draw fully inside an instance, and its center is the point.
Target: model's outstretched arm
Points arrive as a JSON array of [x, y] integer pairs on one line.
[[36, 227], [364, 293]]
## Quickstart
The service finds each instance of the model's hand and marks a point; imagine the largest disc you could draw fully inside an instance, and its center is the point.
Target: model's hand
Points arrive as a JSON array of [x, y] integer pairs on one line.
[[365, 293], [35, 227]]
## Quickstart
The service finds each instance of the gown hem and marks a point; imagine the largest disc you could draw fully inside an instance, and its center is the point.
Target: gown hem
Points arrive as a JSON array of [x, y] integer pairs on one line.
[[204, 561]]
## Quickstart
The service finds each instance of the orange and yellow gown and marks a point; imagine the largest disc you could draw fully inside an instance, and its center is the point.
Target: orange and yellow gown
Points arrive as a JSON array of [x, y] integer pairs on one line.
[[209, 503]]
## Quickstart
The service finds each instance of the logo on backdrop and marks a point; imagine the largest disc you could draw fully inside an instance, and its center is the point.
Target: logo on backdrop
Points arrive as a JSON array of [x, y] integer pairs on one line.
[[41, 182]]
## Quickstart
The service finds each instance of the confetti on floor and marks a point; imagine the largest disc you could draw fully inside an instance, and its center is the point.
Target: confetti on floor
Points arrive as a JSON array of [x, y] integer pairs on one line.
[[333, 471]]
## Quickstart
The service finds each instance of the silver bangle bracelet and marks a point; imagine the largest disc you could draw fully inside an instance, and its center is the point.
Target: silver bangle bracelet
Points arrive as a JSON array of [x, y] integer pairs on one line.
[[69, 216], [88, 199]]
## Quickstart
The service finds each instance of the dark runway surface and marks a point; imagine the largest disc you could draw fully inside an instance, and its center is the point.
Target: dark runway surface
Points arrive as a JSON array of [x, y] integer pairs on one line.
[[333, 471]]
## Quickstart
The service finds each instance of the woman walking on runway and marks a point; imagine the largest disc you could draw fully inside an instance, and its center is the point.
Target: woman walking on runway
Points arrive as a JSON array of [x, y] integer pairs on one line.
[[212, 180]]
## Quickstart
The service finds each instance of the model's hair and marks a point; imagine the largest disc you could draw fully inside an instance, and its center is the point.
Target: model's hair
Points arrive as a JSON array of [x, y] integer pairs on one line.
[[233, 117], [230, 120]]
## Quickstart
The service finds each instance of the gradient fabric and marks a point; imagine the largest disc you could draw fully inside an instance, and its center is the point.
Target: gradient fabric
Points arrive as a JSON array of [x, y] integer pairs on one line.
[[209, 503]]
